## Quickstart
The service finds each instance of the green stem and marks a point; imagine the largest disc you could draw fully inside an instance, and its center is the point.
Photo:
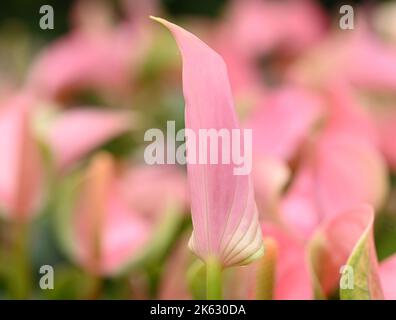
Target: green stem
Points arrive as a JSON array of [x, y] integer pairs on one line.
[[213, 279]]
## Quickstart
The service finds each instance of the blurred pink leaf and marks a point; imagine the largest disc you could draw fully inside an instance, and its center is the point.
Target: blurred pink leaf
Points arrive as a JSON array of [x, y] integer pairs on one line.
[[363, 46], [298, 208], [76, 132], [387, 129], [107, 232], [292, 274], [270, 176], [80, 60], [346, 239], [97, 53], [357, 174], [166, 184], [346, 115], [21, 176], [339, 172], [283, 120], [358, 58], [259, 26]]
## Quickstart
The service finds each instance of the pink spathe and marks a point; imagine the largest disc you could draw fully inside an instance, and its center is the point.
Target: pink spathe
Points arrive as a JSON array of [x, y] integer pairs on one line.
[[75, 132], [224, 212], [21, 174]]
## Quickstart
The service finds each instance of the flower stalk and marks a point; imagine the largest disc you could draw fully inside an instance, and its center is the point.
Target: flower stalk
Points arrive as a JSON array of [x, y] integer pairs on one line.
[[214, 279]]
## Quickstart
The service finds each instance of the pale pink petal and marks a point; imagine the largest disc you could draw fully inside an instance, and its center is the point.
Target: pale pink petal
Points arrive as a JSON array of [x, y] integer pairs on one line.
[[107, 233], [349, 171], [75, 133], [363, 46], [358, 57], [335, 241], [21, 174], [282, 121], [166, 184], [125, 233], [245, 78], [346, 115], [292, 274], [259, 26], [339, 172], [270, 176], [387, 128], [224, 212], [81, 60], [299, 209]]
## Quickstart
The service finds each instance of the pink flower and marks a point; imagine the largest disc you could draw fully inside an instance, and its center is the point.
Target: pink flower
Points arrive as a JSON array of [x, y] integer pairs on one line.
[[95, 55], [345, 56], [224, 212], [74, 133], [259, 26], [72, 136], [253, 29], [111, 225], [387, 129], [327, 144], [295, 112], [166, 184], [107, 233], [326, 184], [347, 240], [21, 178], [314, 268], [292, 276]]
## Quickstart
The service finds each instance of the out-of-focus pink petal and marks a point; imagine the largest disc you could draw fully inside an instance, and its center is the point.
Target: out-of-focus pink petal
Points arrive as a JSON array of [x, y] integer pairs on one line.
[[339, 172], [80, 61], [224, 212], [282, 121], [292, 274], [387, 272], [124, 234], [298, 208], [96, 54], [166, 184], [334, 242], [21, 174], [387, 129], [76, 132], [245, 77], [107, 233], [380, 73], [346, 116], [259, 26], [345, 56], [348, 171], [270, 176]]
